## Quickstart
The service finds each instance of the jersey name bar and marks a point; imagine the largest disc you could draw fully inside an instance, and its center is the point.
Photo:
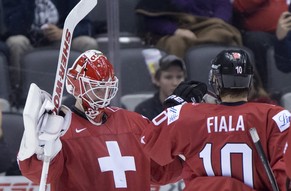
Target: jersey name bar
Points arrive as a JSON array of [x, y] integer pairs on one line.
[[217, 124]]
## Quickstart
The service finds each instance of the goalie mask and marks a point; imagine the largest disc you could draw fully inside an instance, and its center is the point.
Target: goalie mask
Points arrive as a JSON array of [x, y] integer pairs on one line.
[[231, 69], [92, 79]]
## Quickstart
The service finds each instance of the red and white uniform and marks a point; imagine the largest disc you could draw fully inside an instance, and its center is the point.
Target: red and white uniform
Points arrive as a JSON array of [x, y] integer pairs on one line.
[[287, 155], [106, 157], [215, 141]]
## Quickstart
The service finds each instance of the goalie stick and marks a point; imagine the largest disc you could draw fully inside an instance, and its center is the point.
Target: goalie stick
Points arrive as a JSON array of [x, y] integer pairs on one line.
[[73, 18], [262, 155]]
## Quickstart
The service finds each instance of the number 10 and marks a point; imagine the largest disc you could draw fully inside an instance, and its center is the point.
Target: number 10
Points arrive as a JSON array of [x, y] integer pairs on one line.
[[225, 153]]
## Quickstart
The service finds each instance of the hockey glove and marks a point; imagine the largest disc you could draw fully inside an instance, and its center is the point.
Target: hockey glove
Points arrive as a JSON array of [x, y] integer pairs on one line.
[[190, 91], [41, 127]]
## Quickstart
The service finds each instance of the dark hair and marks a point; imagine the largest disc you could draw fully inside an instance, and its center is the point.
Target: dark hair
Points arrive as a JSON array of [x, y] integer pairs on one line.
[[234, 92]]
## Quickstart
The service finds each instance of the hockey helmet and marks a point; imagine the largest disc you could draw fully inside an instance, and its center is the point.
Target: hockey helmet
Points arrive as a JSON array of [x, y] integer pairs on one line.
[[231, 69], [92, 79]]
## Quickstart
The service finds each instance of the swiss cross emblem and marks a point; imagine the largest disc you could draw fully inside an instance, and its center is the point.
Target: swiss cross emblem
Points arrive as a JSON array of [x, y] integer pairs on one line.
[[236, 55]]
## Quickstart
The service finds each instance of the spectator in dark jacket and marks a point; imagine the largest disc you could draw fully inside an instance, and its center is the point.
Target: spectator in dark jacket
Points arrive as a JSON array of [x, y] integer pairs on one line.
[[283, 43], [257, 20], [38, 23], [169, 74]]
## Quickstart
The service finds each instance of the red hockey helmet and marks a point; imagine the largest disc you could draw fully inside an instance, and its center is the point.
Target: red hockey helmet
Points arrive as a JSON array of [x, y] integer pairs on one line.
[[92, 79]]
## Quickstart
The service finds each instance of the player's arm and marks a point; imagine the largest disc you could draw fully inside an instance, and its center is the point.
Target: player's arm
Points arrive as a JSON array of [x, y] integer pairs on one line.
[[167, 174], [163, 140], [160, 175], [214, 183], [279, 121], [167, 137], [287, 156], [41, 127], [188, 91]]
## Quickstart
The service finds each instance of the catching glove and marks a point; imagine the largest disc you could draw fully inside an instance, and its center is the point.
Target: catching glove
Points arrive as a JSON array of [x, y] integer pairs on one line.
[[42, 129], [190, 91]]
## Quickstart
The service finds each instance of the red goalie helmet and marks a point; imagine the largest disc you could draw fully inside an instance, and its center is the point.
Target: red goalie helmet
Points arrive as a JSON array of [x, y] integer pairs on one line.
[[92, 79]]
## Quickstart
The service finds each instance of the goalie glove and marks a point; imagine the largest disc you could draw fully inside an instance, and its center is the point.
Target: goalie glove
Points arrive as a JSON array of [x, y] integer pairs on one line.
[[42, 128], [190, 91]]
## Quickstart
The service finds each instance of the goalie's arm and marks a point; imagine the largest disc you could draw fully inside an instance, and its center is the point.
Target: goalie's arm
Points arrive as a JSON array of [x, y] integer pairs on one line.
[[41, 128], [31, 168]]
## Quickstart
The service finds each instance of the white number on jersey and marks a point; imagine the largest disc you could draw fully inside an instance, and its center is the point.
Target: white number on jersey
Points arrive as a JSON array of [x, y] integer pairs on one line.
[[225, 160]]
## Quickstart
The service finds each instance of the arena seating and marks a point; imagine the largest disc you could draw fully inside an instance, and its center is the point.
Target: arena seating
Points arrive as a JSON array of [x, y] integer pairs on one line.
[[39, 66], [198, 60], [4, 78], [13, 127], [286, 101], [277, 81]]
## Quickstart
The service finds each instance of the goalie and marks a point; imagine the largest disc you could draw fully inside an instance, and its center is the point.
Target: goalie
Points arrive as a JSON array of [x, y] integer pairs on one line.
[[95, 147]]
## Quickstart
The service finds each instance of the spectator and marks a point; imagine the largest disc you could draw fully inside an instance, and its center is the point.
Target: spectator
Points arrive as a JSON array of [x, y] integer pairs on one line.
[[5, 156], [170, 73], [283, 43], [257, 20], [3, 48], [175, 25], [38, 23], [214, 138]]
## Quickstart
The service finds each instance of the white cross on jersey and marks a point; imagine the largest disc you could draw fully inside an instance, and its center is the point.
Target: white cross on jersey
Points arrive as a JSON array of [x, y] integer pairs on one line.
[[117, 164]]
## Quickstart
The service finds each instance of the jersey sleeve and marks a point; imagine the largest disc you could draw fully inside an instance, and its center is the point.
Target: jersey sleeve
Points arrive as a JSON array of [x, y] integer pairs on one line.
[[138, 124], [31, 168], [160, 175], [164, 139], [167, 174], [214, 183], [287, 156], [279, 121]]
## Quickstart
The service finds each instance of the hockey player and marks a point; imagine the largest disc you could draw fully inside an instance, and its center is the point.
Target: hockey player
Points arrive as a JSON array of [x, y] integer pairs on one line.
[[100, 146], [214, 138]]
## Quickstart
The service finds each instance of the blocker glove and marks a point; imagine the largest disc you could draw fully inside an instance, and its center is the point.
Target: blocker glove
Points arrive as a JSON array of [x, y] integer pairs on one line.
[[189, 91]]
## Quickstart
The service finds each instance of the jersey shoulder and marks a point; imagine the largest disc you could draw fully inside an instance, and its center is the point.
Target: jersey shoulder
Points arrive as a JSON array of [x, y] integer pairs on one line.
[[266, 107], [130, 120]]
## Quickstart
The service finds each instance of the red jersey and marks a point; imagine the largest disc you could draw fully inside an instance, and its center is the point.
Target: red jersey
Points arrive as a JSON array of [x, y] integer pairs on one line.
[[215, 141], [106, 157], [287, 155], [255, 13]]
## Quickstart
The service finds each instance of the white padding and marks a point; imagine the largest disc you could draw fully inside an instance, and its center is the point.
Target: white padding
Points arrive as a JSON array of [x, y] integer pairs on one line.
[[42, 128], [31, 110]]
